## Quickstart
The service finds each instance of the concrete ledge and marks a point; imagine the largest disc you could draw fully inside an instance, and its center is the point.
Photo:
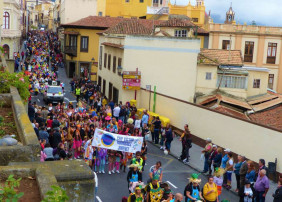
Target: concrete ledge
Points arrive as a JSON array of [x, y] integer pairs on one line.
[[45, 179], [5, 171]]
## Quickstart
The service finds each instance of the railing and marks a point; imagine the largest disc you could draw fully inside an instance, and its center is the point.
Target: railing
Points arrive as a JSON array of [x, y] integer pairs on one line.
[[71, 50], [11, 33], [270, 60], [157, 10], [248, 58]]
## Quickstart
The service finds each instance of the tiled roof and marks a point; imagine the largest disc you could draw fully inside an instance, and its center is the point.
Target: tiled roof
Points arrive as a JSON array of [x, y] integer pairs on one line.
[[271, 117], [220, 57], [129, 27], [231, 112], [114, 45], [164, 33]]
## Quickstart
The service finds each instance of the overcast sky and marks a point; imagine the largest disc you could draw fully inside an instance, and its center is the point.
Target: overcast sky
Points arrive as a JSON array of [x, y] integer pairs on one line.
[[264, 12]]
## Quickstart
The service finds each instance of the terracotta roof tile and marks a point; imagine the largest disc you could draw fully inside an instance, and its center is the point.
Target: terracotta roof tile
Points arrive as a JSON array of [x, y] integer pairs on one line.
[[220, 57], [129, 27], [231, 112]]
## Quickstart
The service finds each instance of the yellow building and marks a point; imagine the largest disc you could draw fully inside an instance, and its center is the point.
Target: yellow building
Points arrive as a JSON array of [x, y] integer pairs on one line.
[[45, 14], [151, 9]]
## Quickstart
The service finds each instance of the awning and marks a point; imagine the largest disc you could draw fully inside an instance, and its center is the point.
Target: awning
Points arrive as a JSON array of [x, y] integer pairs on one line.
[[114, 45], [71, 32]]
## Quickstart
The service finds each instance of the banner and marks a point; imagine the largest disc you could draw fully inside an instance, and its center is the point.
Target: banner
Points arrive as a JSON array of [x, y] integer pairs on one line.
[[117, 142]]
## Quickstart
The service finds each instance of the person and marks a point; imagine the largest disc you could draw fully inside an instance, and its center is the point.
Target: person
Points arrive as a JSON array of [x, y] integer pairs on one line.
[[277, 196], [168, 137], [262, 165], [246, 193], [156, 171], [217, 159], [206, 152], [251, 173], [145, 118], [154, 191], [133, 176], [43, 134], [192, 191], [177, 198], [223, 166], [211, 157], [236, 172], [157, 127], [102, 153], [56, 138], [139, 161], [31, 111], [261, 186], [210, 193], [137, 196], [229, 170], [218, 180], [61, 151], [243, 171], [116, 112], [186, 141], [48, 150], [77, 93]]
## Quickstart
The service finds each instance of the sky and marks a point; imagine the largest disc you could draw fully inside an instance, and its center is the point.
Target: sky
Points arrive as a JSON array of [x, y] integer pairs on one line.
[[263, 12]]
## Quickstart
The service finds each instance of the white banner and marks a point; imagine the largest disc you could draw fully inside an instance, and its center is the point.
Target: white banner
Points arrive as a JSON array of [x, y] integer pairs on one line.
[[117, 142]]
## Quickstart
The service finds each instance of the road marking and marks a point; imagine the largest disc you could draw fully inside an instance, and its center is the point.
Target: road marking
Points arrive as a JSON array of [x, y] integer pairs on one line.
[[67, 99], [38, 100], [98, 198], [175, 187]]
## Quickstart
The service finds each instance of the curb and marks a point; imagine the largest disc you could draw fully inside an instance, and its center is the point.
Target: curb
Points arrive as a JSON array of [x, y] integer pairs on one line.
[[191, 165]]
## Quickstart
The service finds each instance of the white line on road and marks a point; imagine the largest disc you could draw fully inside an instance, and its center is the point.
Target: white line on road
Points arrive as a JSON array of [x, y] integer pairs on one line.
[[38, 100], [98, 198], [67, 99], [175, 187]]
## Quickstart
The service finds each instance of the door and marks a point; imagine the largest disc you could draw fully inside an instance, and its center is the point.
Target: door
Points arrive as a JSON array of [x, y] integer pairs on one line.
[[99, 81], [71, 69], [110, 91], [84, 70], [104, 86], [115, 95]]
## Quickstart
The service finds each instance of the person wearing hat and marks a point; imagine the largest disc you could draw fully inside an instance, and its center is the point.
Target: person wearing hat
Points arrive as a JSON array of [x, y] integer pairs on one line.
[[154, 191], [192, 191], [223, 165], [211, 157], [133, 175], [206, 152], [137, 196], [246, 193]]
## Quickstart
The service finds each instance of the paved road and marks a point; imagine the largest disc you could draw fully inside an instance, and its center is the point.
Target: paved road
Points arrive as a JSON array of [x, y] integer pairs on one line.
[[113, 187]]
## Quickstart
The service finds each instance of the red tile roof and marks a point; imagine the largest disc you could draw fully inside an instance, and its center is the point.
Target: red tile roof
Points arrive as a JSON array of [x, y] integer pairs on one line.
[[231, 112], [220, 57], [130, 27]]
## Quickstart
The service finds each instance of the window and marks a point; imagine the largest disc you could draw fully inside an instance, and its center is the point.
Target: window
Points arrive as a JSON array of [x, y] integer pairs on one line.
[[72, 40], [208, 75], [271, 53], [114, 64], [119, 64], [249, 51], [109, 62], [84, 43], [227, 81], [180, 33], [127, 1], [155, 3], [141, 1], [256, 83], [226, 44], [100, 13], [6, 20], [100, 58], [195, 19], [270, 81], [105, 60]]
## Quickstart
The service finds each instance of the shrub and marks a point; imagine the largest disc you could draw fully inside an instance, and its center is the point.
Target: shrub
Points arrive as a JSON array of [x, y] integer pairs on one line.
[[57, 194], [8, 192]]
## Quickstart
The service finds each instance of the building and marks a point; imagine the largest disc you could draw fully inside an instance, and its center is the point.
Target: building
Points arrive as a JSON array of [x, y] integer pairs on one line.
[[165, 62], [11, 28], [223, 70], [151, 9], [57, 20], [33, 16], [45, 14], [1, 18], [261, 46]]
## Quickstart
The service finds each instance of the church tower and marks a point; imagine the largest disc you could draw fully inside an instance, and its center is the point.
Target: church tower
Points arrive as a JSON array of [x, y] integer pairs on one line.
[[230, 16], [199, 3]]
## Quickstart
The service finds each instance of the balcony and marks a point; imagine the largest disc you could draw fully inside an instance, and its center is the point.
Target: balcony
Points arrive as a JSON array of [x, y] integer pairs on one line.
[[71, 51], [248, 58], [11, 33], [270, 60]]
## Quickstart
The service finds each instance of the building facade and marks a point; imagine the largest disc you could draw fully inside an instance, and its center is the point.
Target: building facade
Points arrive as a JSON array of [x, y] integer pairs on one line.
[[45, 14]]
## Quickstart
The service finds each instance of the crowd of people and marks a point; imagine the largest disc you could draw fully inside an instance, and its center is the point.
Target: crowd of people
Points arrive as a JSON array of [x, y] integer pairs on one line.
[[66, 131]]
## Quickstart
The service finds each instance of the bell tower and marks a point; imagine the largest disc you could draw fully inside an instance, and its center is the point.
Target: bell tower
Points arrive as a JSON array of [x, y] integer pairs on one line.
[[230, 16], [199, 3]]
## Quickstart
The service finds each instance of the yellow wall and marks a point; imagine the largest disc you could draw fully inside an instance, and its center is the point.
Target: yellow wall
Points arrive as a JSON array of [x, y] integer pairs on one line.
[[93, 47], [224, 131], [263, 76]]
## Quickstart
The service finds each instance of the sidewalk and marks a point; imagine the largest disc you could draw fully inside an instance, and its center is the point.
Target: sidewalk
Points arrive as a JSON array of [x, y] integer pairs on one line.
[[197, 164]]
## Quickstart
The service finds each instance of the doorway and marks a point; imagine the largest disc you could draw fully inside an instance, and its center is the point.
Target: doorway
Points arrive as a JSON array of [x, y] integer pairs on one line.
[[71, 69], [84, 70], [104, 86], [99, 81], [115, 95], [110, 91]]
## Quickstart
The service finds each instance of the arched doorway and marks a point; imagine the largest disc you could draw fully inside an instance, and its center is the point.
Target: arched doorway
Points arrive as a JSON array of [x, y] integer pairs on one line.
[[6, 51]]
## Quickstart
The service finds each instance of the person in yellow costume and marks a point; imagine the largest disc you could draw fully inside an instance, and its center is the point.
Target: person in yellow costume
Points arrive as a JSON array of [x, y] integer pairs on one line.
[[137, 196], [154, 191]]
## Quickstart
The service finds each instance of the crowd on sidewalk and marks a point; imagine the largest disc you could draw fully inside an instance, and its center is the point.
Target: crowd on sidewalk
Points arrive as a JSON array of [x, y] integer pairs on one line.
[[66, 131]]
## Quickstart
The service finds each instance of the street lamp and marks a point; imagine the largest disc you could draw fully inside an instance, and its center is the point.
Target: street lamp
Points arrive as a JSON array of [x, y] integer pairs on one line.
[[119, 68]]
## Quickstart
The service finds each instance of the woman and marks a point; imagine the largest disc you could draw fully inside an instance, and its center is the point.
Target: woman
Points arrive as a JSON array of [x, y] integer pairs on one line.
[[48, 150], [229, 170], [211, 157], [246, 193], [251, 173], [61, 151], [192, 190], [133, 176], [77, 141], [210, 191], [278, 193], [217, 159], [137, 196], [236, 171]]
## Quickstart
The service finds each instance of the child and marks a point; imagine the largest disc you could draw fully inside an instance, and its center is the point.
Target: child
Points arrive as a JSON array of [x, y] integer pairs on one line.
[[118, 159], [101, 159], [218, 180], [111, 159]]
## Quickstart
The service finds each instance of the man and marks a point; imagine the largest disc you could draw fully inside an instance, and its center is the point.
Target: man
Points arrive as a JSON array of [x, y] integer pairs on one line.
[[262, 165], [112, 105], [243, 171], [116, 112], [56, 139], [206, 152], [36, 130], [157, 127], [77, 93], [156, 171], [145, 118], [31, 111], [55, 123], [177, 198], [122, 113], [154, 191], [44, 113], [138, 160], [43, 134], [39, 119], [261, 186]]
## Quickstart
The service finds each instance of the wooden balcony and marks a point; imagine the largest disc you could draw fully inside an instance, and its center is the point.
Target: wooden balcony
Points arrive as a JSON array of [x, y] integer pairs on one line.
[[71, 51]]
